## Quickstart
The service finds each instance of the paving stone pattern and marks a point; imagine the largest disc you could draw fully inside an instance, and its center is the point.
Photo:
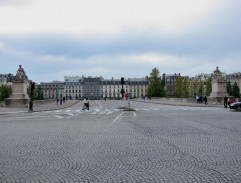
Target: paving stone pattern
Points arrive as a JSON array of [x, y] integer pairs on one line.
[[124, 147]]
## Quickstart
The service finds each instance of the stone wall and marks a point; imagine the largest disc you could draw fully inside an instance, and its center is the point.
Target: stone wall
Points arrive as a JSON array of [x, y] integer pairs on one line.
[[179, 100], [2, 104], [41, 102]]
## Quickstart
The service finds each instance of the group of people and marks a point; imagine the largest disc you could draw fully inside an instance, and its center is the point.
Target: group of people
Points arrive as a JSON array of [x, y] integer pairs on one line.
[[201, 99], [60, 100]]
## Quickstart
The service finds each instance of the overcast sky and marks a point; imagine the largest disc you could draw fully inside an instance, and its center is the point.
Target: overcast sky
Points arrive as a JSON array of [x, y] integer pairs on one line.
[[119, 38]]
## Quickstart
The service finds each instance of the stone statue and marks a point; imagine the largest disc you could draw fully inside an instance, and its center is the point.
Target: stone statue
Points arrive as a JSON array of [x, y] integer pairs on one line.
[[21, 75], [217, 74], [19, 96]]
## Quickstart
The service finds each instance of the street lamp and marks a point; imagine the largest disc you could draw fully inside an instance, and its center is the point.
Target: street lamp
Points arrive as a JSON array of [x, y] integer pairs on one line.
[[122, 89], [32, 88]]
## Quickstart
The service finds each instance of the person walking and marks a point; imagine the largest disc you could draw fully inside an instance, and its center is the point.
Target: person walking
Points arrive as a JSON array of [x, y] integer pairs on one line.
[[197, 98], [205, 100], [225, 101], [85, 104]]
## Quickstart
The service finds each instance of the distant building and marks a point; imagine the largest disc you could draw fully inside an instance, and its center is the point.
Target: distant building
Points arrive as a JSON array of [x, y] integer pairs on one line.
[[170, 83], [134, 87], [91, 87], [52, 90], [72, 87], [6, 78], [111, 88], [234, 77], [95, 88], [138, 87]]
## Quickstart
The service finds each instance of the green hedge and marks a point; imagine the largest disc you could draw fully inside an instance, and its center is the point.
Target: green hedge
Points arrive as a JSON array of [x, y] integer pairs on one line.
[[5, 91]]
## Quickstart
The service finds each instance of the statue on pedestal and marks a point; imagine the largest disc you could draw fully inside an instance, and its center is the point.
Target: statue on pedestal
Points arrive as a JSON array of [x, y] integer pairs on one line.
[[20, 75], [19, 96], [217, 74], [219, 86]]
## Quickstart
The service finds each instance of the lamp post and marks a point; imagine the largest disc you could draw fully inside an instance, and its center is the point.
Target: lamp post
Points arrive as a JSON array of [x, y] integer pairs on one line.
[[122, 89], [32, 88]]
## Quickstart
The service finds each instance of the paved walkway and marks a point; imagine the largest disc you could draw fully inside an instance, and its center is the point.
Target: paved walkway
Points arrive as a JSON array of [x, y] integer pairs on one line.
[[37, 108]]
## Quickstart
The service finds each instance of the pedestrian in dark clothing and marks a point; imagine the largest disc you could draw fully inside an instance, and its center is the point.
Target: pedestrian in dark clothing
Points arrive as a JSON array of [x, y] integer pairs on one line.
[[225, 102], [205, 100], [87, 104]]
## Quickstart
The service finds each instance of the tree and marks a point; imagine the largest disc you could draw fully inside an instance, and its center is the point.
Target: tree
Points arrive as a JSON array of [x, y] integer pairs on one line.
[[179, 87], [5, 91], [236, 90], [195, 88], [208, 86], [38, 93], [186, 88], [229, 88], [155, 88], [163, 92], [200, 88]]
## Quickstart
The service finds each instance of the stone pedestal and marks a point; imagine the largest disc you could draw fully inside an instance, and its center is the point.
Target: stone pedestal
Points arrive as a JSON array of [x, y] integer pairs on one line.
[[19, 97]]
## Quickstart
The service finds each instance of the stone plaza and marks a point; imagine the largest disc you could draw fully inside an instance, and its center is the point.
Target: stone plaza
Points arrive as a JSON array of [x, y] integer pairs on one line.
[[155, 143]]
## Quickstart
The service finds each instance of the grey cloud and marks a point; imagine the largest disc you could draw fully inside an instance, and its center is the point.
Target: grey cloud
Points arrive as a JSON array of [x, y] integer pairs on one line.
[[198, 49]]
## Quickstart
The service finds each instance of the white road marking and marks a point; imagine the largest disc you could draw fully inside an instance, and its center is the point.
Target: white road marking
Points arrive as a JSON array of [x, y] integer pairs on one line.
[[58, 111], [29, 117], [59, 117], [110, 112], [145, 109], [155, 109], [117, 119], [70, 115], [99, 104]]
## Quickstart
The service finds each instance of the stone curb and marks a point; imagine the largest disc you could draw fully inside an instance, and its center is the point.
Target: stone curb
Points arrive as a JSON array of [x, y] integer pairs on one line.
[[58, 108], [180, 104], [39, 110]]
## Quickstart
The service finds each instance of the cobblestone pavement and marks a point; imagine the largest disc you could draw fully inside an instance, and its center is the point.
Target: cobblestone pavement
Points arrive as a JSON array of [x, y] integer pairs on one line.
[[174, 145]]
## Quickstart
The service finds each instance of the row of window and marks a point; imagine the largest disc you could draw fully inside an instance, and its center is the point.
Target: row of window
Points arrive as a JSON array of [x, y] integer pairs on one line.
[[76, 91], [91, 84]]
